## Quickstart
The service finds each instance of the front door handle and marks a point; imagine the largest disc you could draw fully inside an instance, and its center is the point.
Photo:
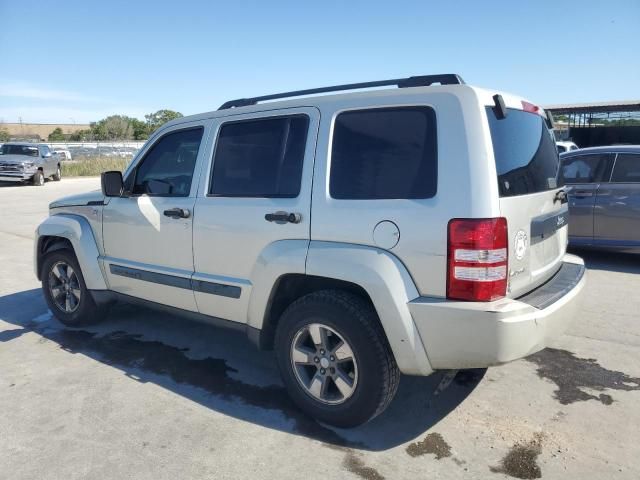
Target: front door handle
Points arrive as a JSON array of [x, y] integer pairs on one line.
[[582, 193], [177, 213], [283, 217]]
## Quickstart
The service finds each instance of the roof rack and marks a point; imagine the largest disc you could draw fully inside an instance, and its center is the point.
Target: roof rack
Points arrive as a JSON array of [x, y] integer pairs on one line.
[[419, 81]]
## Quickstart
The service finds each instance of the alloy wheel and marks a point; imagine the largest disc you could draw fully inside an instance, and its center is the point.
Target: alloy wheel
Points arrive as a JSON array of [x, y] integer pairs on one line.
[[324, 364], [64, 287]]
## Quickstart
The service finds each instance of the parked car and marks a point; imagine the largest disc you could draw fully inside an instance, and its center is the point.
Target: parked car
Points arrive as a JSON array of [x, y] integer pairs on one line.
[[360, 235], [21, 162], [566, 146], [63, 153], [604, 202]]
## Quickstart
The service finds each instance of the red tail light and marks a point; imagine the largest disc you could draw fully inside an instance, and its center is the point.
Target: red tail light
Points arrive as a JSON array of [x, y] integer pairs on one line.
[[477, 259]]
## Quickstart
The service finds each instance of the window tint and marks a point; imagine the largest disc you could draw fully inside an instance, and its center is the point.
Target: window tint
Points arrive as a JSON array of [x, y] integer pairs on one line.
[[561, 148], [525, 153], [385, 153], [260, 158], [627, 168], [584, 168], [167, 169]]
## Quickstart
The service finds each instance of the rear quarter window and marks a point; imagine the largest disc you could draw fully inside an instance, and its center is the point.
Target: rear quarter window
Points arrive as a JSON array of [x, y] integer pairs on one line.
[[525, 153], [384, 153]]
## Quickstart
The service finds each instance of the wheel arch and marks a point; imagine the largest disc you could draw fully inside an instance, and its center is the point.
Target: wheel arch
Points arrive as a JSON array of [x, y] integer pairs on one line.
[[374, 274], [74, 231]]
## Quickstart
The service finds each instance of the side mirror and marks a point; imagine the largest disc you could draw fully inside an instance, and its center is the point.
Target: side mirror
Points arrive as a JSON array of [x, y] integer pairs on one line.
[[112, 184]]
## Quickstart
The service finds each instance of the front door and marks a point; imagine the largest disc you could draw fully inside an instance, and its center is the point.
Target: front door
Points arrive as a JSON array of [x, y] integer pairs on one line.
[[254, 207], [148, 232], [584, 173]]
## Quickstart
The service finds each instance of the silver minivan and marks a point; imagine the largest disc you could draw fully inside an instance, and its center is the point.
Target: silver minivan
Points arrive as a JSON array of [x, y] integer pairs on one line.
[[604, 203]]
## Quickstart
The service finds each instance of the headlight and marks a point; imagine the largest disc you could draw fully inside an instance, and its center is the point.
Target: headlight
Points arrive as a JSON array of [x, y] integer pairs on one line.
[[28, 165]]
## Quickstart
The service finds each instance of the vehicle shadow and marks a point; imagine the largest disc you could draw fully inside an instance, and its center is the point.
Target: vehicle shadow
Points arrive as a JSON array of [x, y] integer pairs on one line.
[[609, 260], [221, 370]]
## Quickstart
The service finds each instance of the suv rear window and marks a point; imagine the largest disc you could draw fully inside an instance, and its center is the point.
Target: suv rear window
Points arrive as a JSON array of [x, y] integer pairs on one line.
[[384, 153], [525, 153]]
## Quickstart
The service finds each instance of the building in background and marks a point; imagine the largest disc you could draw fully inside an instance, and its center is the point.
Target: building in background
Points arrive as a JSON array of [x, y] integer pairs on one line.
[[598, 123], [39, 131]]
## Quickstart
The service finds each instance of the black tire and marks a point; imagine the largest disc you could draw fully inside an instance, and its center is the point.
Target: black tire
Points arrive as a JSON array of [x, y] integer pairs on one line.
[[38, 178], [354, 319], [58, 175], [86, 311]]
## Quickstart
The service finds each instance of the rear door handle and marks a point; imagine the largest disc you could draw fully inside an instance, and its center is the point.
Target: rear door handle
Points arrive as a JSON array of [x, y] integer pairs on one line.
[[283, 217], [177, 213]]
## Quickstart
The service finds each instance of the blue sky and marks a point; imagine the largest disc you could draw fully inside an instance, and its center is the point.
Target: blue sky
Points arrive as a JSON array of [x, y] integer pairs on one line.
[[77, 61]]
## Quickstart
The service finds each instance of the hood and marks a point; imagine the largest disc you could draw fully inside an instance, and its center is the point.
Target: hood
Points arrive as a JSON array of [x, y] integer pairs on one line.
[[18, 159], [82, 199]]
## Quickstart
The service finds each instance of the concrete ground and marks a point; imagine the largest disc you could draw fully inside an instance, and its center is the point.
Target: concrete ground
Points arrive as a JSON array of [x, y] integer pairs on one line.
[[144, 395]]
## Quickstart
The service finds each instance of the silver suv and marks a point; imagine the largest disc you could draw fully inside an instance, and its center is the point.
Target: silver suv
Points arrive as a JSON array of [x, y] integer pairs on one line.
[[361, 235]]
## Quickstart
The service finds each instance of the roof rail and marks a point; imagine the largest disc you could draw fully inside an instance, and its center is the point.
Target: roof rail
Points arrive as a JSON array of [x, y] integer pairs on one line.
[[419, 81]]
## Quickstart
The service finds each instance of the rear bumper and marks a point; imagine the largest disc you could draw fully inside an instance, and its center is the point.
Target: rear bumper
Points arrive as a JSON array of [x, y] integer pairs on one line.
[[476, 335]]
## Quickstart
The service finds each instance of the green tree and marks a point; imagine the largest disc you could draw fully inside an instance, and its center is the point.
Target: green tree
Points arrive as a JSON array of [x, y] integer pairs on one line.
[[114, 127], [140, 129], [4, 135], [56, 135], [159, 118]]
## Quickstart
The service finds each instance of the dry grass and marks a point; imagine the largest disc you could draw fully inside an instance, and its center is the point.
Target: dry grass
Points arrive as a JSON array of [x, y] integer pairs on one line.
[[87, 167]]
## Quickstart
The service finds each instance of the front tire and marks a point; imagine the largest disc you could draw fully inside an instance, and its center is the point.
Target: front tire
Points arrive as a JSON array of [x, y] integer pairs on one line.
[[335, 359], [38, 178], [65, 292]]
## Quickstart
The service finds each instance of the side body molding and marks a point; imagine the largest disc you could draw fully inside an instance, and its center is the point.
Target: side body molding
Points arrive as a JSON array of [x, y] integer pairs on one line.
[[390, 287], [77, 230]]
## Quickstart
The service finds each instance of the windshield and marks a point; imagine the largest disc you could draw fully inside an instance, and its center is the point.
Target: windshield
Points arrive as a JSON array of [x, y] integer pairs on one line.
[[29, 150], [525, 153]]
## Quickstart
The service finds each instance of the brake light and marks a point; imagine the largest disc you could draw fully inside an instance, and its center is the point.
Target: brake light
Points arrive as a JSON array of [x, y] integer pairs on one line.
[[530, 107], [477, 259]]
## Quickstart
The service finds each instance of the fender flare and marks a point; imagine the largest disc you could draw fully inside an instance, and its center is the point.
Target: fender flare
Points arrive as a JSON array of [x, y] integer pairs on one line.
[[77, 230], [390, 287]]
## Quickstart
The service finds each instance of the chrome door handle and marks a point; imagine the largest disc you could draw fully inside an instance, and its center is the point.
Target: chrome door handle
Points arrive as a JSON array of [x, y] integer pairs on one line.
[[283, 217], [177, 213]]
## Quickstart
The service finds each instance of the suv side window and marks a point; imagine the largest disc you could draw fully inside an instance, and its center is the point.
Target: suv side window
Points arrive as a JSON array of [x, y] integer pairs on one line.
[[627, 168], [167, 168], [260, 157], [45, 150], [384, 153], [585, 168]]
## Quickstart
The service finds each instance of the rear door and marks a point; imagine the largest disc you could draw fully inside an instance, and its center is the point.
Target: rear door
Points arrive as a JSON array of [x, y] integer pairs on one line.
[[527, 166], [254, 204], [584, 174], [617, 206]]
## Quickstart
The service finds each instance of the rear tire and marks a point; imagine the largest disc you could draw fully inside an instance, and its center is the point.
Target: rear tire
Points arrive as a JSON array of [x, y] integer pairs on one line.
[[65, 292], [38, 178], [350, 375], [58, 175]]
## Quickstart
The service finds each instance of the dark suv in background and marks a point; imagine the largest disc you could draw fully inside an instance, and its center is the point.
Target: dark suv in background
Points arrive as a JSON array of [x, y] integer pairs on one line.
[[604, 203]]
